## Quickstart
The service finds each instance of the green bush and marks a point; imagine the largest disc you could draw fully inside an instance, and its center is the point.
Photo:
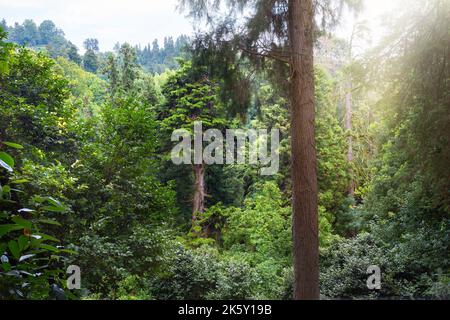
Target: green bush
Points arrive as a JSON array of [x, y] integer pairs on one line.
[[31, 259], [195, 274]]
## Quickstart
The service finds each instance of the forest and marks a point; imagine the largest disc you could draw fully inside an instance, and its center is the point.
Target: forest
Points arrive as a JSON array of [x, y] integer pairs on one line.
[[88, 180]]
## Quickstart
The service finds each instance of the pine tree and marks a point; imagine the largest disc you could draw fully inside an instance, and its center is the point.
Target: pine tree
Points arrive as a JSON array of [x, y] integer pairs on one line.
[[280, 34], [191, 97]]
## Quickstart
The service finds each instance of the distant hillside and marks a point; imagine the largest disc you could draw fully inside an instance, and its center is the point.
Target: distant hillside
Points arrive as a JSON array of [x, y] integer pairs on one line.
[[46, 36], [156, 59]]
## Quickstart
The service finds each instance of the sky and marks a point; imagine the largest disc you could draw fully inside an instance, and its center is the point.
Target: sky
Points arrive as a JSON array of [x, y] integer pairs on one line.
[[372, 16], [133, 21], [110, 21]]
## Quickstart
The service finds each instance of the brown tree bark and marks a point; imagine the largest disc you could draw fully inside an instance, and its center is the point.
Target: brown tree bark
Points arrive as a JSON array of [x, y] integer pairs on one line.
[[198, 201], [304, 159]]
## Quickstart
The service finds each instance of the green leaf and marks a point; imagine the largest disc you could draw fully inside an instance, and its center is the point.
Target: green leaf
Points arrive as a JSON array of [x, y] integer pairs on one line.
[[6, 228], [47, 237], [38, 199], [48, 247], [23, 243], [53, 209], [7, 159], [6, 267], [54, 202], [13, 145], [48, 221], [20, 181], [22, 222], [5, 166], [68, 251], [6, 189], [14, 248]]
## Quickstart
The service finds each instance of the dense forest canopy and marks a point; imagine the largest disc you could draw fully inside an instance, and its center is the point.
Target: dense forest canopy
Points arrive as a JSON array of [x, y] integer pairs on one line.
[[87, 176]]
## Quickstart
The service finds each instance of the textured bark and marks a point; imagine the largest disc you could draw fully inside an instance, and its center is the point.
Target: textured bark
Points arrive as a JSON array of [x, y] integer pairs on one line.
[[198, 201], [304, 161]]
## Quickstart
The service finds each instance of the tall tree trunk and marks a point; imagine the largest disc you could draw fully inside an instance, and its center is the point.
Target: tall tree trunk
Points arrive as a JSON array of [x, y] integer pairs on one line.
[[348, 126], [198, 201], [304, 159]]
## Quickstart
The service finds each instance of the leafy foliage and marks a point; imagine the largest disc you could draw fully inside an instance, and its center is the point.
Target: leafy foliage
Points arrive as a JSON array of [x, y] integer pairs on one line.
[[31, 259], [85, 176]]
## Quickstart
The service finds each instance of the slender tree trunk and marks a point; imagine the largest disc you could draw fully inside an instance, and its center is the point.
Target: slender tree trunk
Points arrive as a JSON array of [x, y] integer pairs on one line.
[[304, 161], [198, 201], [348, 126]]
